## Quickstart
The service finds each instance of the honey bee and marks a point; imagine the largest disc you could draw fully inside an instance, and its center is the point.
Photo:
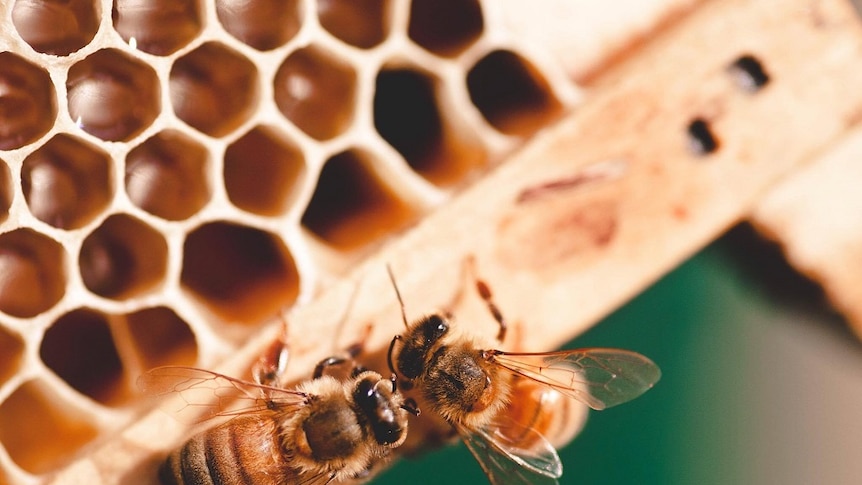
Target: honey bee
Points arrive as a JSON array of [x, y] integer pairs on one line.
[[502, 403], [325, 430]]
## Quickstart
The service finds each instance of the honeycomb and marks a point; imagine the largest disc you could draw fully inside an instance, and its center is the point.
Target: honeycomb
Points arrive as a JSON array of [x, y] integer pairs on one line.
[[175, 173]]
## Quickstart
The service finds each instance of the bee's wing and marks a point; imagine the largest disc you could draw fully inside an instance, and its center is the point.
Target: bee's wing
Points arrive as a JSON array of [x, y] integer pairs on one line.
[[600, 378], [505, 463], [202, 394]]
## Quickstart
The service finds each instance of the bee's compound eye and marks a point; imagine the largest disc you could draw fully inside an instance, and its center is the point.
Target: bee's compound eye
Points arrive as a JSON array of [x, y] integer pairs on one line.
[[435, 326], [364, 390]]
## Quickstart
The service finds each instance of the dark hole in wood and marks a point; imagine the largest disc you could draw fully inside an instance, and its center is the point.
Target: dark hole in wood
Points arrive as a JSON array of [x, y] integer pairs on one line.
[[700, 138]]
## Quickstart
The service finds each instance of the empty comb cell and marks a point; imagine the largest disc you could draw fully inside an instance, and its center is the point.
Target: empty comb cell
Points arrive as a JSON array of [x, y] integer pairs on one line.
[[11, 353], [352, 206], [159, 27], [79, 347], [360, 23], [122, 258], [262, 171], [27, 102], [445, 27], [214, 89], [511, 94], [57, 28], [244, 275], [67, 182], [316, 91], [169, 175], [407, 114], [112, 95], [262, 24], [161, 337], [32, 266]]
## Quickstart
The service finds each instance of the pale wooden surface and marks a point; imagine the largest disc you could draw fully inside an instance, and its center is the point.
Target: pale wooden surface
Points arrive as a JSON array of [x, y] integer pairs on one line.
[[812, 215], [815, 216], [585, 36], [560, 260]]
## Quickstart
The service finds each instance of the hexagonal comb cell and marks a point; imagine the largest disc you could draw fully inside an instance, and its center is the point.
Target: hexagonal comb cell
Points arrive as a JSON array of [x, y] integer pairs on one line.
[[316, 91], [213, 89], [27, 102], [112, 95], [159, 27], [360, 23], [261, 171], [67, 182], [11, 349], [351, 206], [7, 191], [122, 258], [32, 275], [161, 337], [53, 27], [79, 347], [262, 24], [511, 94], [39, 433], [243, 274], [406, 115], [445, 27], [168, 174]]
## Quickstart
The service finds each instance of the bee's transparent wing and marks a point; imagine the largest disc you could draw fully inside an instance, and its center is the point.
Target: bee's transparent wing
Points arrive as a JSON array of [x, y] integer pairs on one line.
[[202, 394], [504, 463], [600, 378]]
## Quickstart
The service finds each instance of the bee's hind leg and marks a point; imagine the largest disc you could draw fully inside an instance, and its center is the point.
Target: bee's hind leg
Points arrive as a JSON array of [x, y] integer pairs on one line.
[[271, 367]]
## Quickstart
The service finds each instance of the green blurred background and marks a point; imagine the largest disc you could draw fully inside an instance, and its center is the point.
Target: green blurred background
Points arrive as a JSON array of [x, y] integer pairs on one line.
[[762, 384]]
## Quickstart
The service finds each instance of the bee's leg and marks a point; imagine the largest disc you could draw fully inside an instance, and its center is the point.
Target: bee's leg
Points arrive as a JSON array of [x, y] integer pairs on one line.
[[356, 348], [485, 292], [352, 351], [325, 364], [271, 367], [468, 273]]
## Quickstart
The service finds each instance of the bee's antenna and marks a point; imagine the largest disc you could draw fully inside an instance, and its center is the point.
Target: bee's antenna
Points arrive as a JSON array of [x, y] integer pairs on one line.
[[389, 358], [398, 294]]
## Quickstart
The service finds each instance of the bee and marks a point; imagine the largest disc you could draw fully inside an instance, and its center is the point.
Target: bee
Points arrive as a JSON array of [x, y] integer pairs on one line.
[[501, 403], [325, 430]]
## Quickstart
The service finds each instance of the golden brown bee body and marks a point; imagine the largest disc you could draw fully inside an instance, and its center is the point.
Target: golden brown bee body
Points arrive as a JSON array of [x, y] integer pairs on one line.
[[452, 377], [324, 431], [503, 404], [547, 411], [243, 451]]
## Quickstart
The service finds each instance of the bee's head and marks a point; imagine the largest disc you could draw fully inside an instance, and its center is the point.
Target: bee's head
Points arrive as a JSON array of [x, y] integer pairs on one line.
[[382, 408], [419, 341]]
